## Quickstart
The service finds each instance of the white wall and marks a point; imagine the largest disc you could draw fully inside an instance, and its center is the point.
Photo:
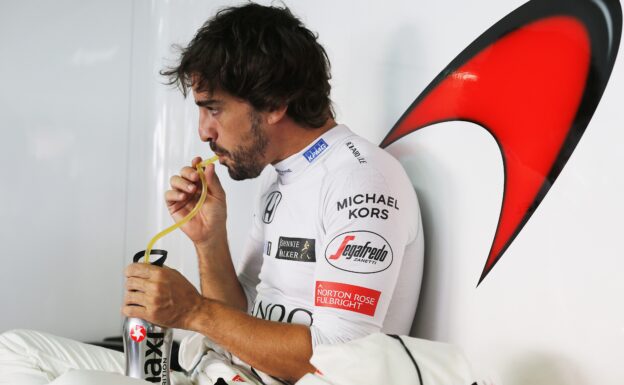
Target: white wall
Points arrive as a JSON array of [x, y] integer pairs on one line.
[[64, 103]]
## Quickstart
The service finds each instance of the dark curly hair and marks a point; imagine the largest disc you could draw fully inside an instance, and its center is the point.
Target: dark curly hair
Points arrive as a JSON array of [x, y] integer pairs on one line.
[[263, 55]]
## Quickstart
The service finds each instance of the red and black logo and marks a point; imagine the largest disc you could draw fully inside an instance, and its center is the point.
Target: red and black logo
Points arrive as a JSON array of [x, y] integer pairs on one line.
[[362, 251], [533, 80]]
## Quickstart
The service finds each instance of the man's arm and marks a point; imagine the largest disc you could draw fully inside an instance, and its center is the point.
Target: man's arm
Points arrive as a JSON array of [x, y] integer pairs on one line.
[[217, 274], [208, 232], [279, 349], [164, 297]]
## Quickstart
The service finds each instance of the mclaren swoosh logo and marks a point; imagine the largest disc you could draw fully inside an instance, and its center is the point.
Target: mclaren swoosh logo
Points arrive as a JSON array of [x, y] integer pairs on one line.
[[533, 80]]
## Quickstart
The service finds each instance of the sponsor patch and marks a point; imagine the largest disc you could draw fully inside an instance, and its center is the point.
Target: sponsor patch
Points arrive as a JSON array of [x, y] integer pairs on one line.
[[273, 199], [343, 296], [296, 249], [361, 252], [316, 150]]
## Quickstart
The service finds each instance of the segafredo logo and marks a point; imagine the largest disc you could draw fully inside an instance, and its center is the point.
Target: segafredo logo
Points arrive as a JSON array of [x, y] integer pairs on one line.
[[361, 252]]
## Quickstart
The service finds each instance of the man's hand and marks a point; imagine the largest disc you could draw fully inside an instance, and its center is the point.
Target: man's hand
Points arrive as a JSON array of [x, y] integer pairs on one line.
[[183, 196], [208, 232], [160, 295]]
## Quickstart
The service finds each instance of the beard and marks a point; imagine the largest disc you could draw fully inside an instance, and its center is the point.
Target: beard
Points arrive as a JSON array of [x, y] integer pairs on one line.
[[246, 159]]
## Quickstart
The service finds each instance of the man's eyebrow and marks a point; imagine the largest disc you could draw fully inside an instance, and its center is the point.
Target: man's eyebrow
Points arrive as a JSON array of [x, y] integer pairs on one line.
[[208, 102]]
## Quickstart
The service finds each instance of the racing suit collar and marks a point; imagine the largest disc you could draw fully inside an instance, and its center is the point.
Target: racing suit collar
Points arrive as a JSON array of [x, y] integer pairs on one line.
[[293, 166]]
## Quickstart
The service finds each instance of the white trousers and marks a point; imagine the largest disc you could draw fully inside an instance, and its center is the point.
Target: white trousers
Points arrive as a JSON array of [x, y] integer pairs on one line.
[[32, 358]]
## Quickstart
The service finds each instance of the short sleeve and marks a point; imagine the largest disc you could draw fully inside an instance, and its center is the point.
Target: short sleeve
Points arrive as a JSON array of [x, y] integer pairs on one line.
[[367, 220]]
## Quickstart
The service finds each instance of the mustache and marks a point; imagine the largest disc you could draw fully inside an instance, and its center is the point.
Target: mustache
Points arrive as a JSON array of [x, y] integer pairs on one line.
[[218, 149]]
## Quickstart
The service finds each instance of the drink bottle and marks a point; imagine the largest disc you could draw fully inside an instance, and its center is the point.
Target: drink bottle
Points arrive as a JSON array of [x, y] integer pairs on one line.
[[147, 347]]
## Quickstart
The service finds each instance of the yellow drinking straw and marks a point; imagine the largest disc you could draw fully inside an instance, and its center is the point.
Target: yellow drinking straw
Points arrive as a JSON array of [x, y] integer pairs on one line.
[[190, 215]]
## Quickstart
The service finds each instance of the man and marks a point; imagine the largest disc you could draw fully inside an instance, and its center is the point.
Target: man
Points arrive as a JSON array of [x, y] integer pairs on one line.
[[335, 251]]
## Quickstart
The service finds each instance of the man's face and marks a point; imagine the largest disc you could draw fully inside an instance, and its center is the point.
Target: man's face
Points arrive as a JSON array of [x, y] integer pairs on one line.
[[235, 131]]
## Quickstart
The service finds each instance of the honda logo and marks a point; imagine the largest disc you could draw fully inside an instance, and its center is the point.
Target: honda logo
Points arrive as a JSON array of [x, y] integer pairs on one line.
[[273, 200]]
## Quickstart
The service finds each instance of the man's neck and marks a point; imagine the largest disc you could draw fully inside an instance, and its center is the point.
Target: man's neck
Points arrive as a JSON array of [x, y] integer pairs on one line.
[[294, 138]]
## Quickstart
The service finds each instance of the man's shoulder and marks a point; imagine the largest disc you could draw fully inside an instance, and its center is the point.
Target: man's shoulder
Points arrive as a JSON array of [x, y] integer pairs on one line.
[[357, 159]]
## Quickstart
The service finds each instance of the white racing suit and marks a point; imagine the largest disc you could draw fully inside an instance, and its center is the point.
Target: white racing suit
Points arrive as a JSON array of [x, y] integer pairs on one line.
[[336, 244], [339, 232]]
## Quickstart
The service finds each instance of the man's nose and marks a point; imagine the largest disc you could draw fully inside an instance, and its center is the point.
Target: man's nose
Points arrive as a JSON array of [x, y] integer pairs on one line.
[[207, 127]]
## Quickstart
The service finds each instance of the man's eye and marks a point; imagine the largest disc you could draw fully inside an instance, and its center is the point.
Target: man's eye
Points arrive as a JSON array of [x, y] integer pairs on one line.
[[212, 111]]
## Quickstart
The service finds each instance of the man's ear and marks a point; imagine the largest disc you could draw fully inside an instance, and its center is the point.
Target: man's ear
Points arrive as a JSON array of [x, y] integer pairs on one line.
[[276, 115]]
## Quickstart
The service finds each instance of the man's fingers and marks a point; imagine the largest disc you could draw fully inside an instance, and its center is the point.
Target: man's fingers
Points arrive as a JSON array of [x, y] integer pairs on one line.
[[132, 311], [142, 270], [187, 187], [135, 298], [174, 196], [182, 184], [190, 173], [139, 284], [188, 182]]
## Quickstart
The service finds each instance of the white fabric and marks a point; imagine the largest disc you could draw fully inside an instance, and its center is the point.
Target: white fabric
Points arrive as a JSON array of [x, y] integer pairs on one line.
[[208, 361], [91, 377], [338, 193], [32, 358], [380, 359]]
